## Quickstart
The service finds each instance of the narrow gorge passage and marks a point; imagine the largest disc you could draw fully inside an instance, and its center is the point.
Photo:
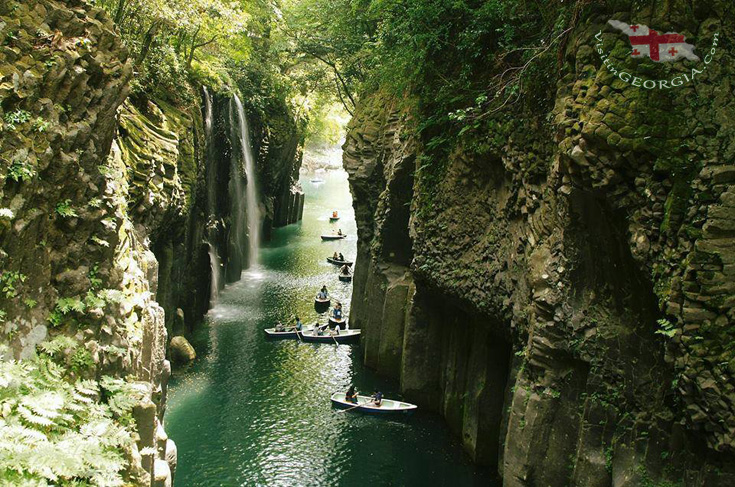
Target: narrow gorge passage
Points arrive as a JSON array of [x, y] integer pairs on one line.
[[256, 412]]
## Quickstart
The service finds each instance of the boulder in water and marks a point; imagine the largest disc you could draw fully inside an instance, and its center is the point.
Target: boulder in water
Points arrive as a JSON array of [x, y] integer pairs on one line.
[[181, 350]]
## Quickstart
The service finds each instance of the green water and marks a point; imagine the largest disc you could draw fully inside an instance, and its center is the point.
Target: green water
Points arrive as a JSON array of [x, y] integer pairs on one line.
[[253, 412]]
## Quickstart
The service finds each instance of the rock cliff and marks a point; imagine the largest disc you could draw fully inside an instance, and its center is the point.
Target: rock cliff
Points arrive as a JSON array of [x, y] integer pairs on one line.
[[107, 225], [559, 287]]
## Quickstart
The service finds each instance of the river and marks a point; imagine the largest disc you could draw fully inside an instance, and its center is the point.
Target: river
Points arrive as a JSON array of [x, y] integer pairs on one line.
[[253, 412]]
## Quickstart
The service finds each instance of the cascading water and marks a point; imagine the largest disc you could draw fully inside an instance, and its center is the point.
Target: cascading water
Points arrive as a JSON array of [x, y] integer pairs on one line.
[[251, 190], [214, 259], [239, 201]]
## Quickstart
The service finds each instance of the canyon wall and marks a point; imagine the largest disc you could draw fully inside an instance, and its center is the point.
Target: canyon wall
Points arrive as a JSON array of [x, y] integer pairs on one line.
[[110, 212], [560, 286]]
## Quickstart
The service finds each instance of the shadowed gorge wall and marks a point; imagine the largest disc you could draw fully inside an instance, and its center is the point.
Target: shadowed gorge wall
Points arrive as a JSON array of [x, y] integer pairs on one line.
[[572, 261]]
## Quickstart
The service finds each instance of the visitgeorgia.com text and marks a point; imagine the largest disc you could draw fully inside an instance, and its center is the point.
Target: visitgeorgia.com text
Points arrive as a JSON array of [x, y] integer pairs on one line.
[[650, 84]]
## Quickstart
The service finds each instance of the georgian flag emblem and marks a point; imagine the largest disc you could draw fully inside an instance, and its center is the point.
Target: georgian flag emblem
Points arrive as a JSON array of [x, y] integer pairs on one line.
[[659, 47]]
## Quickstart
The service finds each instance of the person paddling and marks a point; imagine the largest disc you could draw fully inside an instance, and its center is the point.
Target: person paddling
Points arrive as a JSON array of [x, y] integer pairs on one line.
[[279, 327], [345, 270], [351, 395], [297, 324], [336, 257], [323, 294], [339, 232], [341, 257], [377, 399]]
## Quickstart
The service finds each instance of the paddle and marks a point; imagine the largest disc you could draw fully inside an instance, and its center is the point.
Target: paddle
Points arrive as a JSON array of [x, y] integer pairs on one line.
[[350, 409]]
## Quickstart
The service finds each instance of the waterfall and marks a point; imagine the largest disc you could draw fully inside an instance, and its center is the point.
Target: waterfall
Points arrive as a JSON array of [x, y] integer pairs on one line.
[[239, 199], [211, 176], [251, 190]]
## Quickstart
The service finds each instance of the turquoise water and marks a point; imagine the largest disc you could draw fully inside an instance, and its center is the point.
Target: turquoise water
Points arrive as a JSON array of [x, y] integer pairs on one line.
[[253, 412]]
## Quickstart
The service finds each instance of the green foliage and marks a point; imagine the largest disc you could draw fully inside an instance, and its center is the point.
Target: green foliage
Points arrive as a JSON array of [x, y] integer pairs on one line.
[[666, 328], [66, 305], [21, 170], [40, 125], [18, 117], [54, 431], [65, 210], [9, 282]]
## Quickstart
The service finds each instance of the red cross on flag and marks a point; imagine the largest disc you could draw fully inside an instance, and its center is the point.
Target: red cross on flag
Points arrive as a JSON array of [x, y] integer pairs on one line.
[[659, 47]]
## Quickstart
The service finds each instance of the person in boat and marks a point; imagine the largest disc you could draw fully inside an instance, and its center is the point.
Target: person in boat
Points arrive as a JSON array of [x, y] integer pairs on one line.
[[337, 311], [335, 330], [351, 395], [279, 327], [345, 270], [339, 232], [297, 324], [336, 257], [334, 214], [341, 257], [323, 294], [318, 330], [377, 399]]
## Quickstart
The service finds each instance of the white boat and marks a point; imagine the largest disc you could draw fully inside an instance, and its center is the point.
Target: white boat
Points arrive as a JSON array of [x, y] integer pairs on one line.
[[333, 237], [343, 336], [365, 405], [272, 333], [322, 302], [334, 261]]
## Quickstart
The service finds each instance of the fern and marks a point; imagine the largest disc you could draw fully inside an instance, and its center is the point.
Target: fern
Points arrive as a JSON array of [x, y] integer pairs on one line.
[[59, 432]]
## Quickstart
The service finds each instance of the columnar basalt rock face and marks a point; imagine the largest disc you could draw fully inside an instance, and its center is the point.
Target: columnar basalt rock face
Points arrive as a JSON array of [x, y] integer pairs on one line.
[[103, 234], [78, 265], [545, 262]]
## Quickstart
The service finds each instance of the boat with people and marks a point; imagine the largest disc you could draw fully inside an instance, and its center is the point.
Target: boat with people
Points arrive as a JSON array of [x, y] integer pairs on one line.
[[345, 277], [334, 236], [334, 217], [366, 404], [328, 336], [334, 261], [319, 302]]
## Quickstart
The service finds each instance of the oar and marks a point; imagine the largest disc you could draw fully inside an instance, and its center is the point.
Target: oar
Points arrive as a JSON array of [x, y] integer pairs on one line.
[[350, 409]]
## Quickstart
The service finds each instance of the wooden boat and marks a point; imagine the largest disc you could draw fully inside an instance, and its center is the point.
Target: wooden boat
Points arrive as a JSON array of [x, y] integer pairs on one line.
[[345, 336], [272, 333], [342, 322], [333, 237], [334, 261], [345, 277], [365, 405]]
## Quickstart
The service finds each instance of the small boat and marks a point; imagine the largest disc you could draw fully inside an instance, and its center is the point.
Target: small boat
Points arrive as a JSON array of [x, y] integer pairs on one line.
[[272, 333], [333, 237], [322, 303], [345, 277], [341, 322], [365, 405], [334, 261], [344, 336], [317, 180], [333, 218]]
